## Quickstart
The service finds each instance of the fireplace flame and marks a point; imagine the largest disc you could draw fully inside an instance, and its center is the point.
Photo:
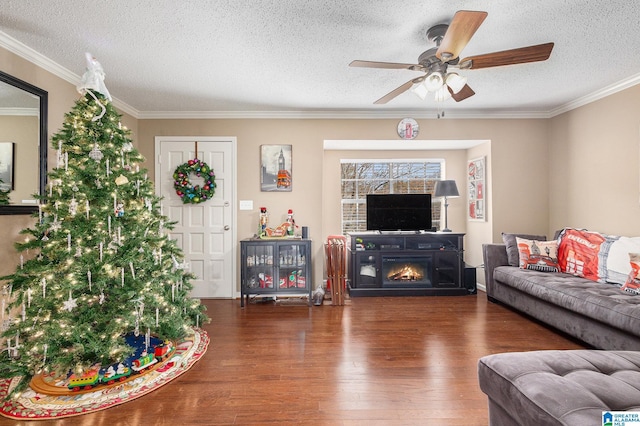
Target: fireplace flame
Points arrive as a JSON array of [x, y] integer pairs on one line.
[[406, 273]]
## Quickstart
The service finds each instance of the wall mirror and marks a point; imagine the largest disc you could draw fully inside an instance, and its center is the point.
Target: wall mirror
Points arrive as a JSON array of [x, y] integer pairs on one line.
[[23, 143]]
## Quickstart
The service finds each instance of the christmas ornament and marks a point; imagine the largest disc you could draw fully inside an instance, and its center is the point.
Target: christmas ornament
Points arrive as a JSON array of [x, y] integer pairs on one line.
[[70, 303], [95, 153], [119, 212], [121, 180], [189, 193], [73, 207], [56, 224]]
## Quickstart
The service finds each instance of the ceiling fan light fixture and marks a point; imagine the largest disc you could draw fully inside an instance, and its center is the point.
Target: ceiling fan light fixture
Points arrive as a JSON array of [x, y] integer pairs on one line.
[[455, 81], [442, 94], [420, 90], [434, 81]]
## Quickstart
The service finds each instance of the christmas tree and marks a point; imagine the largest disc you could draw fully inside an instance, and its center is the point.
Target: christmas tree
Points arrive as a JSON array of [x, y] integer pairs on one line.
[[98, 264], [4, 193]]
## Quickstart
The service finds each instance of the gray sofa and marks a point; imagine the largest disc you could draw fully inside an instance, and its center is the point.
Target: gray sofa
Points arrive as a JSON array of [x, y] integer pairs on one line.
[[598, 314], [562, 387], [559, 387]]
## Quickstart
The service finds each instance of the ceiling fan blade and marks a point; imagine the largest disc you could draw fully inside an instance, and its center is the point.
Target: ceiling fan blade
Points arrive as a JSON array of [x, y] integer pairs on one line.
[[540, 52], [464, 93], [462, 28], [387, 65], [398, 91]]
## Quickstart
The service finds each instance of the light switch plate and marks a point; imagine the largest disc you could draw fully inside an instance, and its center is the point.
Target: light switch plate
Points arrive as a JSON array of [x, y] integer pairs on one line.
[[246, 204]]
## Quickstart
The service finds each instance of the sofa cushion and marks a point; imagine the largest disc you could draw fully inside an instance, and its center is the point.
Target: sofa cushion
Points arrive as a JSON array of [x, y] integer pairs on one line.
[[602, 302], [538, 255], [512, 246], [561, 387]]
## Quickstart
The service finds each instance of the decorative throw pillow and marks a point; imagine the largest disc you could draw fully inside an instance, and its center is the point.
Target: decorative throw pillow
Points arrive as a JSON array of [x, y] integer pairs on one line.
[[538, 255], [578, 253], [633, 281], [512, 246], [614, 256]]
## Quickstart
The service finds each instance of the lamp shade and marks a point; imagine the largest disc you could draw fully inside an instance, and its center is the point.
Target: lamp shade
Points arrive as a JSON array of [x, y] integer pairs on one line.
[[446, 188], [433, 81], [442, 94], [455, 81], [420, 90]]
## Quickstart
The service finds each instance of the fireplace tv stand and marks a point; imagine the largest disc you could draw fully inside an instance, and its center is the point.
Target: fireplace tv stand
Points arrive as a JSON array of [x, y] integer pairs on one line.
[[407, 264]]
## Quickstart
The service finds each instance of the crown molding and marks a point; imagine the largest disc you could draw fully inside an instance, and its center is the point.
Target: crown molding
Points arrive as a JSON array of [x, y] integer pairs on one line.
[[25, 52], [31, 112], [47, 64], [342, 114], [401, 145], [602, 93]]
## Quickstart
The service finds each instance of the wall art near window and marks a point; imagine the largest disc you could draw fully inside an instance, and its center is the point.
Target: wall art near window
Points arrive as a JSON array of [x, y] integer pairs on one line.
[[275, 168], [476, 185], [7, 161]]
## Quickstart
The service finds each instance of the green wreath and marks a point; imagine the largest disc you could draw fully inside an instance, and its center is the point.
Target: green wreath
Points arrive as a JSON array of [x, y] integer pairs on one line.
[[194, 194]]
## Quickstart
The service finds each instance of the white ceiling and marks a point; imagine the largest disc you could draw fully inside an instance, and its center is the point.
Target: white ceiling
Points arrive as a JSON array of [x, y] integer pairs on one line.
[[253, 58]]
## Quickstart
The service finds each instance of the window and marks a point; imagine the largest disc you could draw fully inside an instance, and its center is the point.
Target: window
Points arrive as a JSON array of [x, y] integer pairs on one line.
[[362, 177]]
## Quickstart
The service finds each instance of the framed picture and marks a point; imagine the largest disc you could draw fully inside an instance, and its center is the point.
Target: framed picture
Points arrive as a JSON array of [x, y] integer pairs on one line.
[[476, 187], [7, 161], [275, 168]]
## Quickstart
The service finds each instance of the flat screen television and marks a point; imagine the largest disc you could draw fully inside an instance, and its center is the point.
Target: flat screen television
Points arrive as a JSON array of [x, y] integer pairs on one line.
[[399, 212]]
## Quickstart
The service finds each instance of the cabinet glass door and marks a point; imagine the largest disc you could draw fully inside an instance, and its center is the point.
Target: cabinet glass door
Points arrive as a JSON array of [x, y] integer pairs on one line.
[[367, 270], [292, 261], [259, 266]]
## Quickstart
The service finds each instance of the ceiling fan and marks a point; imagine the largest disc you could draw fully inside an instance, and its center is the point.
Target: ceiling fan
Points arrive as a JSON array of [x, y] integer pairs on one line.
[[450, 40]]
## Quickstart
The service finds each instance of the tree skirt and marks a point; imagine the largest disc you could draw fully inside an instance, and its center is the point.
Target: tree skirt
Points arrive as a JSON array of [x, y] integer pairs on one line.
[[32, 405]]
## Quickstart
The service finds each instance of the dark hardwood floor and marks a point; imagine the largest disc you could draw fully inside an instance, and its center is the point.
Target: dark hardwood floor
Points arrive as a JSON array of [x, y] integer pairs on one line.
[[376, 361]]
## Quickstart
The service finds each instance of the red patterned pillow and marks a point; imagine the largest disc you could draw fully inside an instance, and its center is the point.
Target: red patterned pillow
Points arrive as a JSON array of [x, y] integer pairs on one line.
[[538, 255], [578, 253], [633, 282]]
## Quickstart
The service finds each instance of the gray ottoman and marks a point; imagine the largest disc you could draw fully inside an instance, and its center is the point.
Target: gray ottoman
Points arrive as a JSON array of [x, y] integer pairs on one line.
[[559, 387]]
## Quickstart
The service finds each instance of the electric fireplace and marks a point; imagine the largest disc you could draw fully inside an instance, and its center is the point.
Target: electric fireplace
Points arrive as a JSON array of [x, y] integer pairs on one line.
[[406, 271], [403, 263]]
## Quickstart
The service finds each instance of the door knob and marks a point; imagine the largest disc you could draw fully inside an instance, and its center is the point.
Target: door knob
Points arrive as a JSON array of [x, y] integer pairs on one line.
[[227, 227], [226, 204]]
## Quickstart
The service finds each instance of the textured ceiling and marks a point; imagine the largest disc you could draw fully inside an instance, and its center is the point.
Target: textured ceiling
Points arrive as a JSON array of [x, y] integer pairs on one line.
[[173, 58]]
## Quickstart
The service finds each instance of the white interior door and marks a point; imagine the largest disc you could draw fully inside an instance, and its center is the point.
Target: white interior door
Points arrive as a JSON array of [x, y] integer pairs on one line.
[[205, 231]]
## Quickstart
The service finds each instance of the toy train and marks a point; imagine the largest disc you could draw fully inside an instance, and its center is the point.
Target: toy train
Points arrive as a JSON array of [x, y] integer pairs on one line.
[[119, 371]]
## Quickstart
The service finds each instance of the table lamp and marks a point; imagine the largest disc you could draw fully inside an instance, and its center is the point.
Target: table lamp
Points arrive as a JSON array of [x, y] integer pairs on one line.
[[446, 189]]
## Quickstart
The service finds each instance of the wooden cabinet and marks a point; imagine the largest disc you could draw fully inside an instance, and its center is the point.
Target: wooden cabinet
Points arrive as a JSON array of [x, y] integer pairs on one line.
[[275, 268]]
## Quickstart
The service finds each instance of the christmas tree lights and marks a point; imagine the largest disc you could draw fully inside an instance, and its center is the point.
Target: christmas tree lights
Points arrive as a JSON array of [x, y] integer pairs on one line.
[[98, 263]]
